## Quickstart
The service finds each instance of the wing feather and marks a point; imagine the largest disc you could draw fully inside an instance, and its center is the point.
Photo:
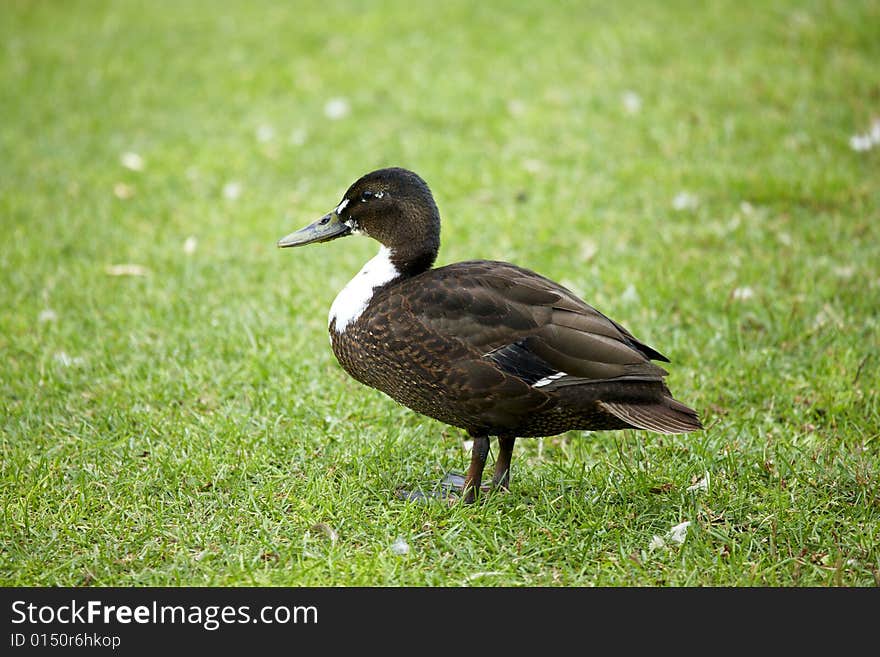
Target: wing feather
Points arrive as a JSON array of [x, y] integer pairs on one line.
[[528, 325]]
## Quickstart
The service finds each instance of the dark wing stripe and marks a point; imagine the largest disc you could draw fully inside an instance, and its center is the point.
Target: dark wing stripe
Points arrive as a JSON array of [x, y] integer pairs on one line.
[[516, 359]]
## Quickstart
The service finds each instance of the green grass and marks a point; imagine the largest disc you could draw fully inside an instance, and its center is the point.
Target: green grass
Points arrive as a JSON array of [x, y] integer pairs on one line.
[[190, 426]]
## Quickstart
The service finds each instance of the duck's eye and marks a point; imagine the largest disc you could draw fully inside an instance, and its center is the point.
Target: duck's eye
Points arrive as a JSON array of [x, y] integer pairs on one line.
[[366, 196]]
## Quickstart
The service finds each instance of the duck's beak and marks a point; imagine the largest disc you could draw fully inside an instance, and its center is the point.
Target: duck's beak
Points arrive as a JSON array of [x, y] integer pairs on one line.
[[327, 228]]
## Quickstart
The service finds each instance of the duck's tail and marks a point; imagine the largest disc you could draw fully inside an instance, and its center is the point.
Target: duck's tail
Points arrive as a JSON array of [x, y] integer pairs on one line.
[[665, 416]]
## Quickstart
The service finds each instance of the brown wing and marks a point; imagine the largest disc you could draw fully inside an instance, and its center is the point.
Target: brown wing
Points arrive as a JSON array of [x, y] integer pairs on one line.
[[528, 326]]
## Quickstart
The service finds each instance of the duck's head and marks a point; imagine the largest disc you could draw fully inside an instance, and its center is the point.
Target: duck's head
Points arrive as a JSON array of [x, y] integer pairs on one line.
[[393, 206]]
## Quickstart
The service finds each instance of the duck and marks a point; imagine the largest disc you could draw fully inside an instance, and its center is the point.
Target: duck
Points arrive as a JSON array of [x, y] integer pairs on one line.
[[490, 347]]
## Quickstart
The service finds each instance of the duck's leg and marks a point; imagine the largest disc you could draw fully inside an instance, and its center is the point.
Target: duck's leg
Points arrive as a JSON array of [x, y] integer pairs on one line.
[[474, 476], [501, 478], [454, 483]]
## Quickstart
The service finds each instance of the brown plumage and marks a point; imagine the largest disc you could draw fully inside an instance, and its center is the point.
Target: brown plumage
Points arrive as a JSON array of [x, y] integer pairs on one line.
[[490, 347]]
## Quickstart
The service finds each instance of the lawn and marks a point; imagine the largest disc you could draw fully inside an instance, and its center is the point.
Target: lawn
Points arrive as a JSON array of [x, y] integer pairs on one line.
[[172, 414]]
